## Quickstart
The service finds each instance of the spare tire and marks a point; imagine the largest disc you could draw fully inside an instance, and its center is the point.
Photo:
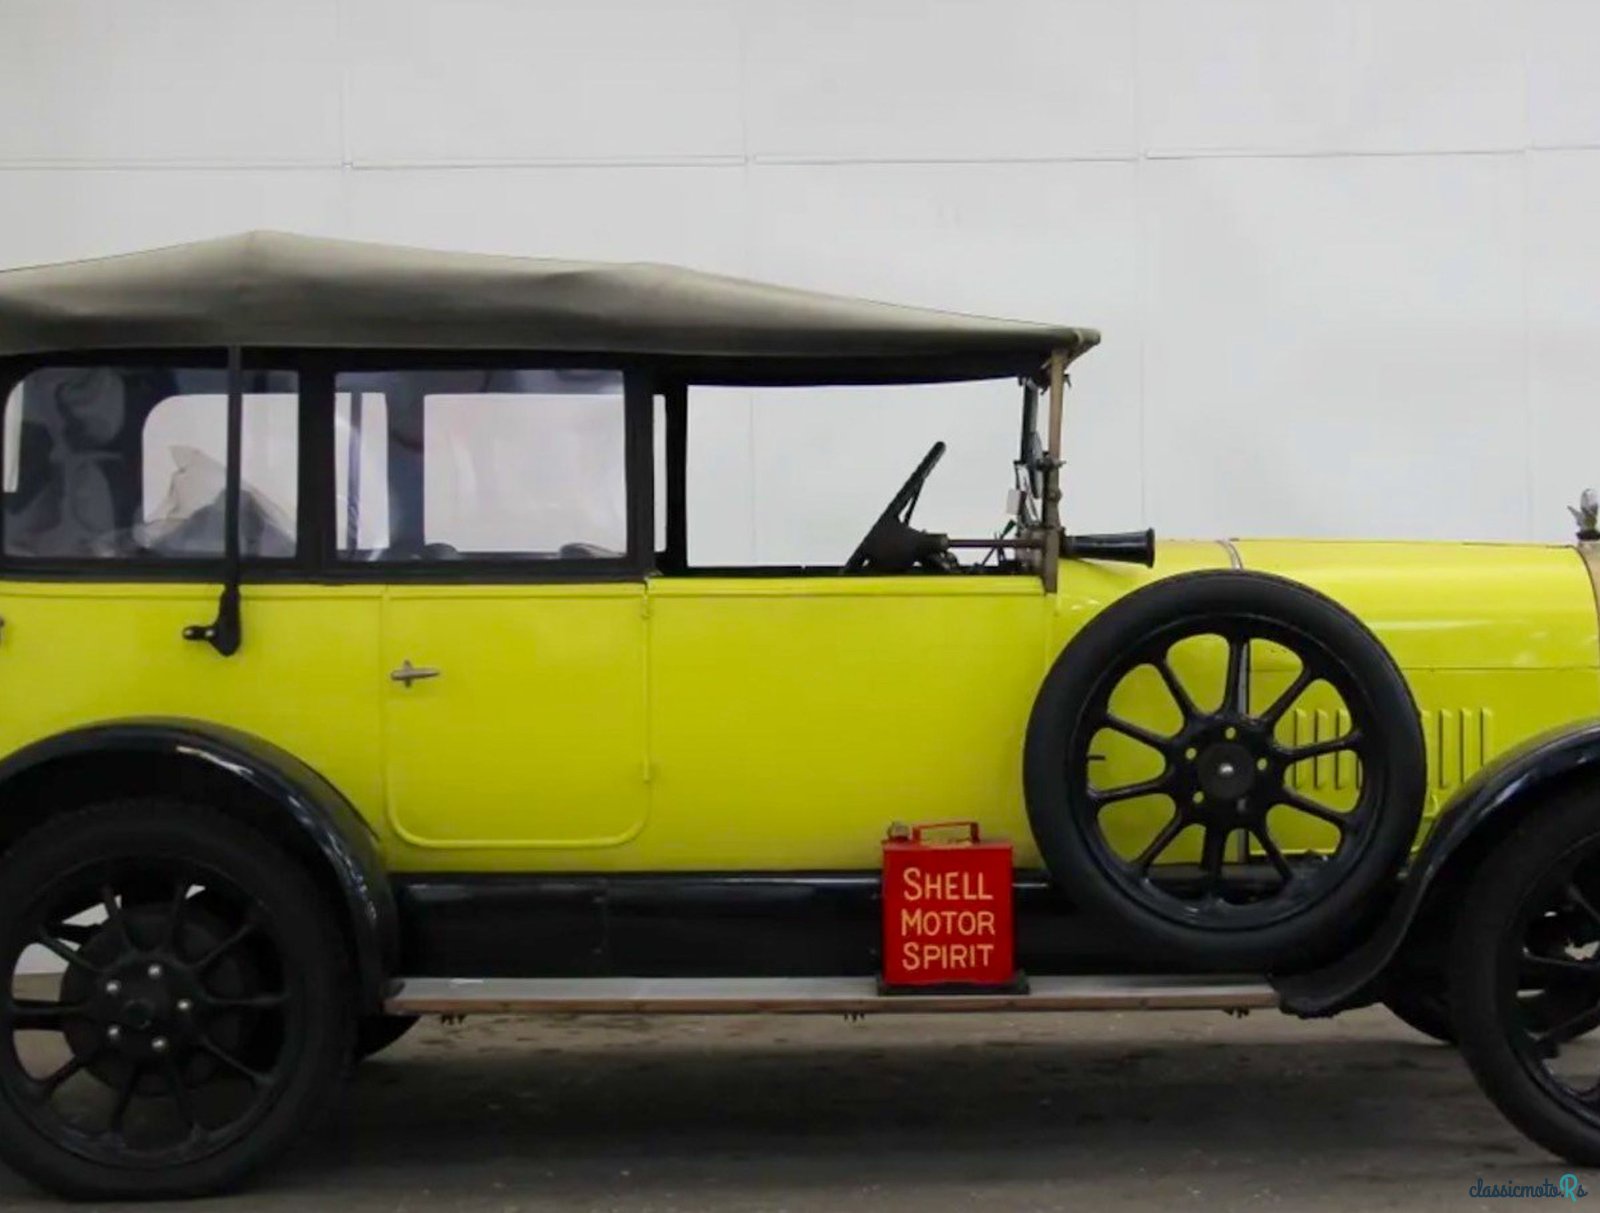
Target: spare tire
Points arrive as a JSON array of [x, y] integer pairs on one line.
[[1229, 839]]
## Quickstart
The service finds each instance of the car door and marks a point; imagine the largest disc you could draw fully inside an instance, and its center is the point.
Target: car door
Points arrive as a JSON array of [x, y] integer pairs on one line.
[[795, 717], [113, 546], [513, 631]]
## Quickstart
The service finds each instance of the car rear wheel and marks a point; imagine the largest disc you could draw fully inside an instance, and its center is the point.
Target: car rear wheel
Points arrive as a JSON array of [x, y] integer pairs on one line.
[[194, 1013], [1229, 767], [1525, 975]]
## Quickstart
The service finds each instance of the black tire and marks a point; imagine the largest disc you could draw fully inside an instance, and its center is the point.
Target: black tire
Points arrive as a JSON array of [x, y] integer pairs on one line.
[[375, 1033], [1317, 905], [179, 1014], [1425, 1008], [1539, 887]]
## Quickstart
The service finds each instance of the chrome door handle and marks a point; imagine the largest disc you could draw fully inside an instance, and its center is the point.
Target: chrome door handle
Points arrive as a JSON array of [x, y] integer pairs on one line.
[[408, 673]]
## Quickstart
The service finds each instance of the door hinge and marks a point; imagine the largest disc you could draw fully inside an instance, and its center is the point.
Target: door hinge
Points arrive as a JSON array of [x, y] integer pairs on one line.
[[644, 608]]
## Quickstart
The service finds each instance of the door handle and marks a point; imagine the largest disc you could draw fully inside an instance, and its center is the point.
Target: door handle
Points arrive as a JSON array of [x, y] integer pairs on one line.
[[408, 673]]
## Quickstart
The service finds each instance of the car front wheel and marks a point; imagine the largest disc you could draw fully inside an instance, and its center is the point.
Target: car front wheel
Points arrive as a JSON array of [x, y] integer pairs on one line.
[[1172, 774], [175, 1006], [1525, 976]]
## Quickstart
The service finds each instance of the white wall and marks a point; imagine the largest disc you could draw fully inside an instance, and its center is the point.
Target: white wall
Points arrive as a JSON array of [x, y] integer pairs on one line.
[[1346, 253]]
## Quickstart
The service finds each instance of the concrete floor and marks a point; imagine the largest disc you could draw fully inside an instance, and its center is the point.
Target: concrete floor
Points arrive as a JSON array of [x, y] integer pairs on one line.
[[1026, 1112]]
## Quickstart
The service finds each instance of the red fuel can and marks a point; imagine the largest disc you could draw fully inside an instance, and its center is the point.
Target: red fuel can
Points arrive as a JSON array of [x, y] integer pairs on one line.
[[947, 914]]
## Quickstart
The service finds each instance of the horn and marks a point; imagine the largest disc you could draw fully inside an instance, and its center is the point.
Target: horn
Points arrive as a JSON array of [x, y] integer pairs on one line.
[[1131, 547]]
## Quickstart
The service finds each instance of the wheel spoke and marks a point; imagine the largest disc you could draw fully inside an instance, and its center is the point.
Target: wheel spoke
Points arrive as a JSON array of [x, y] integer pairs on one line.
[[72, 957], [250, 926], [256, 1078], [45, 1088], [1212, 853], [1317, 749], [1570, 1028], [1235, 683], [1284, 702], [1558, 970], [1275, 854], [1137, 732], [1159, 843], [180, 898], [1130, 791], [1294, 800], [115, 918], [125, 1090], [32, 1015], [1576, 897], [113, 909], [72, 932], [1176, 689], [257, 1002], [181, 1096]]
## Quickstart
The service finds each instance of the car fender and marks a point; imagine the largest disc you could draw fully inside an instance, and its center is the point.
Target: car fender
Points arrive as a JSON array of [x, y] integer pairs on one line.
[[318, 811], [1480, 813]]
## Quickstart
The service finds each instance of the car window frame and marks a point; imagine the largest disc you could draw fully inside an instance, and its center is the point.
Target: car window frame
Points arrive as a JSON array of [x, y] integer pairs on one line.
[[636, 562], [188, 569], [316, 560]]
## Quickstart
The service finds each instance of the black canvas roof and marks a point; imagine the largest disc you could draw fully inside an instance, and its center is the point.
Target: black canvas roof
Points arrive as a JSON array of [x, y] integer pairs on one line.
[[270, 289]]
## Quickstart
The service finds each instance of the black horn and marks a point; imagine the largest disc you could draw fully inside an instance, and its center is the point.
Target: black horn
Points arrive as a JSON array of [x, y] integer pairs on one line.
[[1131, 547]]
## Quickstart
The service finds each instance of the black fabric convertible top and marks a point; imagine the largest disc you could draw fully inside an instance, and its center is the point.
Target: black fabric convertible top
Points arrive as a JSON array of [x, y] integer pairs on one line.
[[270, 289]]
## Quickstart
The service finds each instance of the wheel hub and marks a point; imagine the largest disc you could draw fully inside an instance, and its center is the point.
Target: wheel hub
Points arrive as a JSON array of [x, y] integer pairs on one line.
[[149, 1007], [138, 1010], [1226, 770]]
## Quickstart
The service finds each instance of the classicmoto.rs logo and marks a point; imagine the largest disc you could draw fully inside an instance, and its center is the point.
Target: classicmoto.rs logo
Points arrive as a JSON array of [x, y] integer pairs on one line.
[[1567, 1186]]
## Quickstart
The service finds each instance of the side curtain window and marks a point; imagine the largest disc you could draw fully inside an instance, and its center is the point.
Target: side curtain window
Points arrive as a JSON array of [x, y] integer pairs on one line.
[[129, 463], [520, 465]]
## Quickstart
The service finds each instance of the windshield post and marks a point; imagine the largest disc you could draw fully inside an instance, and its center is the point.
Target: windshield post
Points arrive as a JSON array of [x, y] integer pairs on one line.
[[1052, 473]]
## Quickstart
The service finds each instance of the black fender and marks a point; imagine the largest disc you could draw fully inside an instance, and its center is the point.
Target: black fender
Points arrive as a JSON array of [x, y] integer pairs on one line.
[[1480, 813], [320, 815]]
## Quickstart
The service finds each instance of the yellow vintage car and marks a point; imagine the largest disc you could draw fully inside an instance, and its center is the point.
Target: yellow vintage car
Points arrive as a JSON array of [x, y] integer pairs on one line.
[[358, 666]]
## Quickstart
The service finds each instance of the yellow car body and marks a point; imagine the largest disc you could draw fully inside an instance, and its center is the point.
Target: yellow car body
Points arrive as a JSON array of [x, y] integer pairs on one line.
[[726, 724]]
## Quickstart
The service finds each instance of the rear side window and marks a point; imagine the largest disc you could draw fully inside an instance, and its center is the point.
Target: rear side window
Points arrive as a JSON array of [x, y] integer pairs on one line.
[[129, 463], [518, 465]]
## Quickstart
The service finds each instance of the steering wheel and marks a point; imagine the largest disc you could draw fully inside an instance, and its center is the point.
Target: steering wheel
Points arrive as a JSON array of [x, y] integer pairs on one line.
[[896, 516]]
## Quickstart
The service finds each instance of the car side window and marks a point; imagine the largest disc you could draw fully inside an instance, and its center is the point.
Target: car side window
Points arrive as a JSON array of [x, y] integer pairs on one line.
[[519, 465], [129, 463]]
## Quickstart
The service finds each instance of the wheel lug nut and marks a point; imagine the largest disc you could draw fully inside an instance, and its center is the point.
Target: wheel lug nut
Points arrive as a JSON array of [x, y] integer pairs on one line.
[[154, 972], [158, 1045], [113, 988], [185, 1006], [114, 1034]]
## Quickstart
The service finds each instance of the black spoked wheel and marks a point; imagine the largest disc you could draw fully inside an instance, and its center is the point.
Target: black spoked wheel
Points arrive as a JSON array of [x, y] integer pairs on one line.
[[173, 1004], [1230, 764], [1525, 976]]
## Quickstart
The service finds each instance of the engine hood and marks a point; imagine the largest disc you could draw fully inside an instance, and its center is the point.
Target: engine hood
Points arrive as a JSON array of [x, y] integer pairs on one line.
[[1451, 605]]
